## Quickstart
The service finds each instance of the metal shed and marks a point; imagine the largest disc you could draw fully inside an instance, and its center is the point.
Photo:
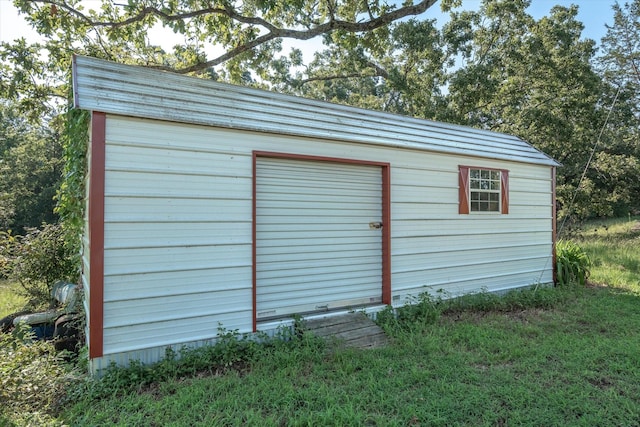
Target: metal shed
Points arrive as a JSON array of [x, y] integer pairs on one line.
[[210, 204]]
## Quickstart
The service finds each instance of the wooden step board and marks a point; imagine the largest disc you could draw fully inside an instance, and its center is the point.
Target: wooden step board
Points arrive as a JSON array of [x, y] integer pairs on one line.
[[354, 330]]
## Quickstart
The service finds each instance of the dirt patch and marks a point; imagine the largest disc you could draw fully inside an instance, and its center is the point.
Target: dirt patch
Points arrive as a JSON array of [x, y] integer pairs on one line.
[[602, 383], [477, 316]]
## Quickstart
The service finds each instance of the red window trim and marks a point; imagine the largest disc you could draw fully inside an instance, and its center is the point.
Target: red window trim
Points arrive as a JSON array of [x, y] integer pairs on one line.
[[463, 189]]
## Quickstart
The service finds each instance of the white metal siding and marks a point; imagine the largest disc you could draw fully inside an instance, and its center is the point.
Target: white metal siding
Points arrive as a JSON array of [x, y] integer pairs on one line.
[[315, 249], [177, 235], [178, 253]]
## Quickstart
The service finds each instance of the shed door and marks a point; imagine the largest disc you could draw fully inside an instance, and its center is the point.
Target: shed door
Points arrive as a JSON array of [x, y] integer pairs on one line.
[[318, 236]]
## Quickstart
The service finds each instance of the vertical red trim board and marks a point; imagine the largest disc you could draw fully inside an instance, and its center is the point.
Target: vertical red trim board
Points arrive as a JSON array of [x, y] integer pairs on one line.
[[504, 196], [253, 248], [96, 233], [463, 190], [386, 234], [553, 225]]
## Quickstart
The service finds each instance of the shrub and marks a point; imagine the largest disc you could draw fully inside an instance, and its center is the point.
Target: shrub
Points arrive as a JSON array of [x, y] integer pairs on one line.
[[572, 264], [37, 260], [33, 379]]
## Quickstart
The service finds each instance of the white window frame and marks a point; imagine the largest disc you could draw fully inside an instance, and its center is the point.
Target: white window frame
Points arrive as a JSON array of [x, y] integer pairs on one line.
[[485, 190]]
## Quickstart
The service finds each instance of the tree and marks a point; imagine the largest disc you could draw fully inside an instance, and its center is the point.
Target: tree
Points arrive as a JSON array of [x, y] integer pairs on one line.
[[620, 59], [619, 65], [495, 68], [535, 79], [402, 73], [233, 41], [30, 172]]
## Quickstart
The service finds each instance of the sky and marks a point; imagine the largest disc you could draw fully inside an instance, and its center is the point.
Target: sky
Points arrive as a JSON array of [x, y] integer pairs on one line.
[[594, 14]]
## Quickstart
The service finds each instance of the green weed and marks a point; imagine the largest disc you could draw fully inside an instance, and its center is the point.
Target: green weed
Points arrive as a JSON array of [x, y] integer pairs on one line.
[[540, 356], [572, 264], [427, 309]]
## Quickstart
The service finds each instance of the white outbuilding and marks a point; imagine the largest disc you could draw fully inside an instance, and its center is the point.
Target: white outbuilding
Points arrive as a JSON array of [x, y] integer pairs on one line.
[[213, 205]]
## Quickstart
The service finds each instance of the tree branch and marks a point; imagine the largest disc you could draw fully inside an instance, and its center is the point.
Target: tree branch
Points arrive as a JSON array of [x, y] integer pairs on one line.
[[378, 72], [332, 77], [272, 31]]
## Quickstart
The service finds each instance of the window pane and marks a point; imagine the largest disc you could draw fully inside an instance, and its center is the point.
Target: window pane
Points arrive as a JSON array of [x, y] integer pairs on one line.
[[484, 174], [494, 197], [495, 185], [484, 185], [474, 173], [475, 206], [494, 206], [475, 184], [495, 175]]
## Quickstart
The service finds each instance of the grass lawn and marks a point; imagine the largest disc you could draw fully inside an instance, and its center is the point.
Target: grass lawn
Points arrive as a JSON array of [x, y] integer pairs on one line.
[[575, 364], [570, 358]]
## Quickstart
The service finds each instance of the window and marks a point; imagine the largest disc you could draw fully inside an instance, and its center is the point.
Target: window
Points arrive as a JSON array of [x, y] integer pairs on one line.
[[483, 190], [484, 187]]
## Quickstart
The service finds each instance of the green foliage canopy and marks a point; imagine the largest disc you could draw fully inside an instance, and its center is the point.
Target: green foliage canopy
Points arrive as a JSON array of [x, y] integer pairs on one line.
[[494, 68]]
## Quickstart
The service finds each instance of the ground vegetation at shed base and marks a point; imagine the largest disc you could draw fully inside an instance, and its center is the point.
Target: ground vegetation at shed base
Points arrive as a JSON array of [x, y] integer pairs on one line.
[[569, 363]]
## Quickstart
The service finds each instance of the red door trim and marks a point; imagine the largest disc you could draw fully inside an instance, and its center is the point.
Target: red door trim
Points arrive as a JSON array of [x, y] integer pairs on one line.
[[96, 233], [386, 234], [386, 215]]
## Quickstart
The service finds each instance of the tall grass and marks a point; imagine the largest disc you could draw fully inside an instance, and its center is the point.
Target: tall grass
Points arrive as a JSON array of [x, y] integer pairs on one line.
[[614, 248]]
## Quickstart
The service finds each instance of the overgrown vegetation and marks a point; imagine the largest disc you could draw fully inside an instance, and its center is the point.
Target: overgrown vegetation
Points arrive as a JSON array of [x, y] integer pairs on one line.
[[37, 260], [11, 300], [33, 379], [71, 194], [552, 356], [428, 308]]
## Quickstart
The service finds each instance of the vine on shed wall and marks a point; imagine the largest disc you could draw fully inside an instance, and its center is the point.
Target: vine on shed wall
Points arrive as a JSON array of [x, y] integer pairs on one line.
[[71, 195]]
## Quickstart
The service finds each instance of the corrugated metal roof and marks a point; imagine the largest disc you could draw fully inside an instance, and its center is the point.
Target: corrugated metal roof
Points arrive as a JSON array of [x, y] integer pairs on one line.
[[143, 92]]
